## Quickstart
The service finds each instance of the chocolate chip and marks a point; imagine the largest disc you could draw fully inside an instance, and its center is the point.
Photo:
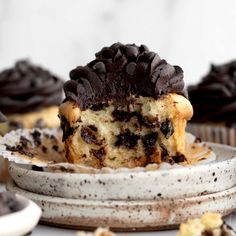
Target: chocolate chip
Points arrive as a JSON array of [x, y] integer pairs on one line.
[[88, 136], [37, 168], [121, 115], [149, 140], [20, 149], [24, 141], [149, 151], [55, 148], [98, 106], [98, 153], [179, 158], [164, 154], [127, 139], [167, 128], [197, 140], [67, 129], [93, 128], [44, 149], [36, 137]]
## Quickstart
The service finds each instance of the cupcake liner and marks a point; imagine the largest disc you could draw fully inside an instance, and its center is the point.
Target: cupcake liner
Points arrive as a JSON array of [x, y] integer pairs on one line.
[[213, 133], [44, 148]]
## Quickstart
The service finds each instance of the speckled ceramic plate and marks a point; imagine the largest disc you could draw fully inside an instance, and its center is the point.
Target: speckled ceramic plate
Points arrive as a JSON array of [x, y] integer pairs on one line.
[[144, 185], [128, 215]]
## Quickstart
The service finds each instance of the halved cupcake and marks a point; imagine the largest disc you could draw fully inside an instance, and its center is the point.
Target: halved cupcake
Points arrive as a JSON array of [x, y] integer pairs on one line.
[[125, 109]]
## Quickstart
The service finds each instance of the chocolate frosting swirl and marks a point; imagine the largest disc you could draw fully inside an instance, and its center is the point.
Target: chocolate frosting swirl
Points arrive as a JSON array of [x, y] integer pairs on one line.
[[120, 71], [214, 98], [27, 87]]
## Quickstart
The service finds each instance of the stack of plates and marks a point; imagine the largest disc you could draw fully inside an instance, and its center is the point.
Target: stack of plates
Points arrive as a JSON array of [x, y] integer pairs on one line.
[[129, 201]]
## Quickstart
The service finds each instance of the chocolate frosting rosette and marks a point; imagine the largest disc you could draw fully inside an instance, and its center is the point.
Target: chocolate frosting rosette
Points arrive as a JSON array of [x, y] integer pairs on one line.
[[214, 103], [29, 96]]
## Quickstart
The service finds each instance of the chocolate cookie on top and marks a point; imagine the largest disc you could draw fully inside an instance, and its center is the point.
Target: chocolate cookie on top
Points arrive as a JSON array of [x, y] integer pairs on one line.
[[125, 109]]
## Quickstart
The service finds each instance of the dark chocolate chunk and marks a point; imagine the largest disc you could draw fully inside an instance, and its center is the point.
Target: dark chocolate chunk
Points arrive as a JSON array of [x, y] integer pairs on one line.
[[98, 106], [55, 148], [36, 137], [88, 136], [24, 142], [19, 148], [37, 168], [179, 158], [121, 115], [93, 128], [127, 139], [67, 129], [167, 128], [98, 153], [149, 151], [149, 140], [44, 149]]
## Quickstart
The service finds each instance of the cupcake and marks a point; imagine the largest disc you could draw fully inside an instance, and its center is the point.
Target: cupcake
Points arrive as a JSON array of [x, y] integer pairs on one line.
[[214, 104], [3, 167], [29, 97], [209, 224], [125, 109]]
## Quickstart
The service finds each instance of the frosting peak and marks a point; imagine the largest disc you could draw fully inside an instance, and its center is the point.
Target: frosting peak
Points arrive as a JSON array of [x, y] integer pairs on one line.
[[120, 71], [27, 87]]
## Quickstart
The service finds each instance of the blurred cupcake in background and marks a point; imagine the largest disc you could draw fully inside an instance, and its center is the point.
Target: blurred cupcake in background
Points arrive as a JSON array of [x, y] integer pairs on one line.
[[3, 167], [29, 97], [214, 104]]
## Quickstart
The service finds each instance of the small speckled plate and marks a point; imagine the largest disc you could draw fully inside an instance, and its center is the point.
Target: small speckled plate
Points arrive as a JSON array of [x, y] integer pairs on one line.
[[179, 182], [123, 215], [22, 221]]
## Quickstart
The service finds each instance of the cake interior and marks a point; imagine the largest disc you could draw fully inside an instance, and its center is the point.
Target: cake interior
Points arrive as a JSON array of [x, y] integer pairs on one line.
[[146, 130]]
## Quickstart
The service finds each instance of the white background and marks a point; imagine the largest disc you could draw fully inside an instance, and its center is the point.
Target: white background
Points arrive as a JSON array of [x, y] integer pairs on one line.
[[61, 34]]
